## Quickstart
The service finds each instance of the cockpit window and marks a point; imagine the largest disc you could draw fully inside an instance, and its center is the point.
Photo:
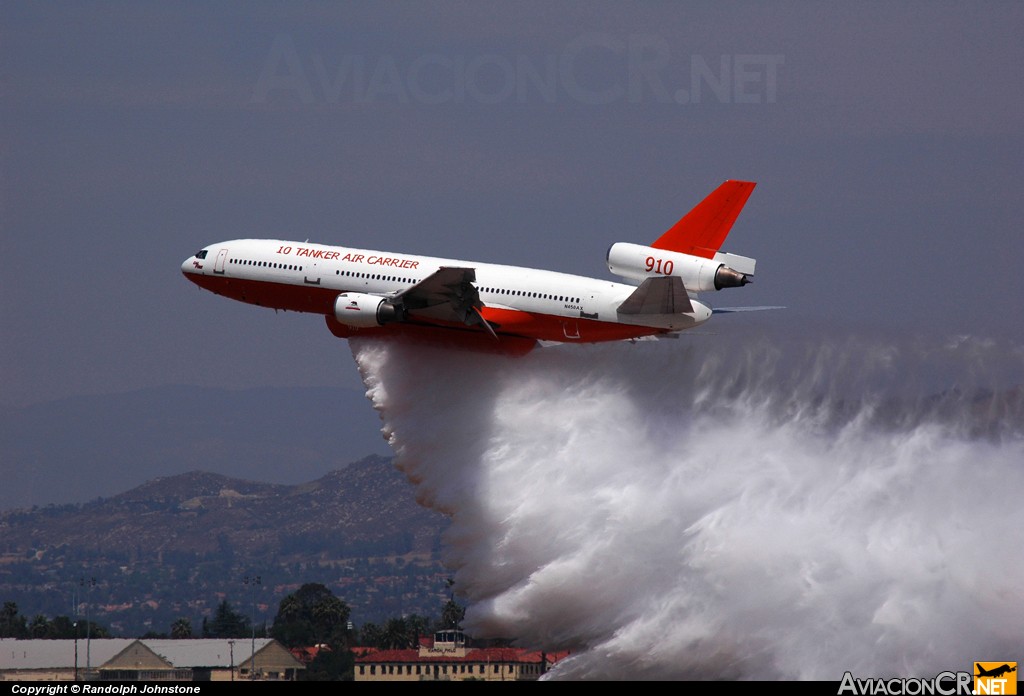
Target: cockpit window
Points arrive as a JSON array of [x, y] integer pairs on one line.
[[201, 254]]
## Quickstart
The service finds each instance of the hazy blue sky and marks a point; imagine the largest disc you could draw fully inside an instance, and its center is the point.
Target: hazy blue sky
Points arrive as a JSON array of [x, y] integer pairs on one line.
[[886, 140]]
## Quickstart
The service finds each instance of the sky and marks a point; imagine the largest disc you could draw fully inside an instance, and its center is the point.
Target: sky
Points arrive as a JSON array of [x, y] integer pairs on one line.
[[886, 140]]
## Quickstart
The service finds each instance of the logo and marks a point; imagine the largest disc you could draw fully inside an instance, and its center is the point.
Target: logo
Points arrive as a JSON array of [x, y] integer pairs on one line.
[[989, 678], [943, 684], [995, 678]]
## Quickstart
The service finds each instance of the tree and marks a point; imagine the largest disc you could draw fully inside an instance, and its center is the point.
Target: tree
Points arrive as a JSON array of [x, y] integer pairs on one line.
[[418, 626], [181, 628], [452, 615], [64, 627], [39, 627], [12, 623], [93, 629], [227, 623], [330, 665], [311, 615], [395, 634], [371, 635]]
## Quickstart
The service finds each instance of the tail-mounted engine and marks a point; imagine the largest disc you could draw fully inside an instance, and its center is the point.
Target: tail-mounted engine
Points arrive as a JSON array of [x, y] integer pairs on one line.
[[363, 311], [638, 262]]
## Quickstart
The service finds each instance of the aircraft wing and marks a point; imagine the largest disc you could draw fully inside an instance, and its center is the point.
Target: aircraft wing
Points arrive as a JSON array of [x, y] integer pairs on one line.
[[447, 294]]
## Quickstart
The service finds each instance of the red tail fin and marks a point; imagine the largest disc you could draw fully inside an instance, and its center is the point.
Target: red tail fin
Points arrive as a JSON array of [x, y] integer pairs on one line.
[[702, 231]]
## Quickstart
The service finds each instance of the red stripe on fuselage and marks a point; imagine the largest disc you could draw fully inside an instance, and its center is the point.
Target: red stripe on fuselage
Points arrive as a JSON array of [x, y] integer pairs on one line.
[[296, 298], [463, 338], [509, 322]]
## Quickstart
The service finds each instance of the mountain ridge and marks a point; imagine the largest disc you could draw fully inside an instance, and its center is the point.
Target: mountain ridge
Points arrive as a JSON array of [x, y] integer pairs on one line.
[[78, 448], [176, 545]]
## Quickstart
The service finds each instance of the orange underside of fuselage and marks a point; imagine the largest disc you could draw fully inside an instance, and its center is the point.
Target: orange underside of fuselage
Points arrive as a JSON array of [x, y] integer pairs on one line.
[[517, 331]]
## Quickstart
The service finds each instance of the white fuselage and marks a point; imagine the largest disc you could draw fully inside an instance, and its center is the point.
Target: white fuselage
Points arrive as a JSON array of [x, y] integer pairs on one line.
[[305, 276]]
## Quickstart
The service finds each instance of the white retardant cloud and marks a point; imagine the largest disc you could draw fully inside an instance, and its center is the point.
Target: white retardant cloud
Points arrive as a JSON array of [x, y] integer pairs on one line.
[[702, 509]]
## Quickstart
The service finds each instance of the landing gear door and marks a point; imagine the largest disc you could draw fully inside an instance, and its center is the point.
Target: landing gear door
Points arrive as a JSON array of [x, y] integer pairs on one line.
[[218, 266]]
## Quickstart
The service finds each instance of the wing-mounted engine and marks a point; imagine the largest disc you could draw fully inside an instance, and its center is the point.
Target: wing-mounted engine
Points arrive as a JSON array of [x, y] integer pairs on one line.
[[363, 311], [446, 295], [638, 262]]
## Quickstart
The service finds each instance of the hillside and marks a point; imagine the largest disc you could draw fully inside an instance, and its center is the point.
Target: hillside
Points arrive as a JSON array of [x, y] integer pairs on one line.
[[177, 545]]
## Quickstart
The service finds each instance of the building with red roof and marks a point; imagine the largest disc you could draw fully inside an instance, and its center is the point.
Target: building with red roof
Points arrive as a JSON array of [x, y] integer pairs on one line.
[[446, 657]]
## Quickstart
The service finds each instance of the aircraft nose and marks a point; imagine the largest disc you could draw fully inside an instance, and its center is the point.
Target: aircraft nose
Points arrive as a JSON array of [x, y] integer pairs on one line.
[[186, 266]]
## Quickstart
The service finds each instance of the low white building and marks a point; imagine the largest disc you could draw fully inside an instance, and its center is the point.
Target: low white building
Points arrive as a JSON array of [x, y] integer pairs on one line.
[[50, 660], [126, 659]]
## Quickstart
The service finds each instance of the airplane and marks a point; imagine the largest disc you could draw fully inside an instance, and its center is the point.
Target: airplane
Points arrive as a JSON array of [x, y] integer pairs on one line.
[[487, 306], [996, 671]]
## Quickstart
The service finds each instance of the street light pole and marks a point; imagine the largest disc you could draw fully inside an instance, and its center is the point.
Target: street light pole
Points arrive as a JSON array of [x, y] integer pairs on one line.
[[253, 582], [74, 610], [91, 583]]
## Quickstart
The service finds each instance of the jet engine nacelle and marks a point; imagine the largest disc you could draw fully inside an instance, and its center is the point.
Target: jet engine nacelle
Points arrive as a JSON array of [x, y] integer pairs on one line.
[[364, 311], [638, 262]]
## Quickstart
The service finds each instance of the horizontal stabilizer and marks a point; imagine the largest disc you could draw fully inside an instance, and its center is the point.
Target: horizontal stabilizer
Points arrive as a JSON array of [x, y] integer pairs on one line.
[[661, 295], [730, 310]]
